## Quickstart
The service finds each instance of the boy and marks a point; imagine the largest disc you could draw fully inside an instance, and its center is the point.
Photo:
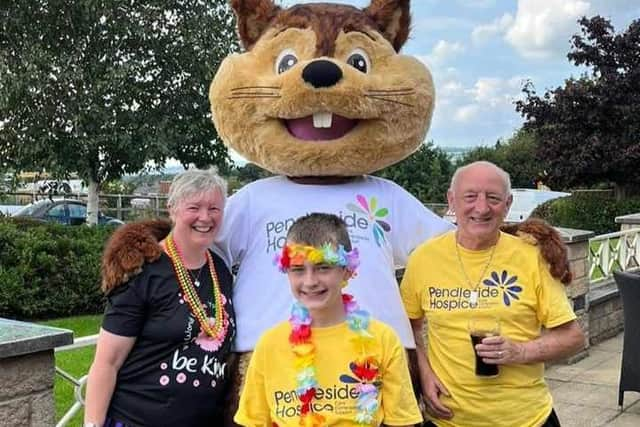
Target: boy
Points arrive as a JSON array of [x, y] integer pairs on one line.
[[330, 364]]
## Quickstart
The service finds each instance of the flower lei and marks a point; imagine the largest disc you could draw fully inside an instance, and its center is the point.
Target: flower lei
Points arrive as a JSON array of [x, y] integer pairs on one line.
[[365, 368], [213, 330], [297, 254]]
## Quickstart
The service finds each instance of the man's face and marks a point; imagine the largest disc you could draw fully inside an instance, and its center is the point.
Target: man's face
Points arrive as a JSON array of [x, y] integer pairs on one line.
[[480, 203]]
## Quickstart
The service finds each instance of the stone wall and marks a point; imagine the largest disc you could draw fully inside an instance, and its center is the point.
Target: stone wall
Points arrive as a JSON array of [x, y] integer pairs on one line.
[[577, 242], [26, 394], [628, 222], [605, 313]]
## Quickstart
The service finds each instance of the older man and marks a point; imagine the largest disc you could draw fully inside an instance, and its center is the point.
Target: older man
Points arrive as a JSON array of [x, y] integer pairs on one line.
[[478, 270]]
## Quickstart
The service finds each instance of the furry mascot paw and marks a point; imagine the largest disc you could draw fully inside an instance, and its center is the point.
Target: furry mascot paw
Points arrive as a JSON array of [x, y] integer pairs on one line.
[[538, 232], [129, 248]]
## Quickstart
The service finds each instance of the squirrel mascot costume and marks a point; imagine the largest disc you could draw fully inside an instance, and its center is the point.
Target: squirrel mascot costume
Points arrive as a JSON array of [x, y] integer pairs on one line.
[[322, 97]]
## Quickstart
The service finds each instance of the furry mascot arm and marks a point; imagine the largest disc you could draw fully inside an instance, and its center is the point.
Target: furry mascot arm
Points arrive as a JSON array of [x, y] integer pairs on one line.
[[134, 244], [539, 233], [129, 248]]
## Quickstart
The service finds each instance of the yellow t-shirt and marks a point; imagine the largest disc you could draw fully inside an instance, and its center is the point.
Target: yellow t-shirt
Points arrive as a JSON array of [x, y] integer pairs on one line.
[[269, 391], [517, 288]]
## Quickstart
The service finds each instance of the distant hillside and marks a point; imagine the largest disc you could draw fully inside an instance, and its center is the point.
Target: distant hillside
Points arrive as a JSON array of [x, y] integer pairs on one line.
[[456, 153]]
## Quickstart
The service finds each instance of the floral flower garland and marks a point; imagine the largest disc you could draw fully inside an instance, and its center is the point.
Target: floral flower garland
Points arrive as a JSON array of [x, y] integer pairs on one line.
[[213, 329], [365, 368], [297, 254]]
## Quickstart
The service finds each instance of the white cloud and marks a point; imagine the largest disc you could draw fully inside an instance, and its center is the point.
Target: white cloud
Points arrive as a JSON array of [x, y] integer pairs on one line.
[[440, 23], [479, 112], [451, 88], [444, 51], [495, 92], [466, 113], [542, 29], [482, 33], [480, 4]]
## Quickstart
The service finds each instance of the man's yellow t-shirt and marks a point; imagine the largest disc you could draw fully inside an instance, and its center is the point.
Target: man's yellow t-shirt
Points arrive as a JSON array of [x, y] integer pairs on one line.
[[518, 289], [269, 395]]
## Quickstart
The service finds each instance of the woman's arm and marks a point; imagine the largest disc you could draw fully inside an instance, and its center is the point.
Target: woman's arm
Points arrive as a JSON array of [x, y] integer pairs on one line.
[[111, 352]]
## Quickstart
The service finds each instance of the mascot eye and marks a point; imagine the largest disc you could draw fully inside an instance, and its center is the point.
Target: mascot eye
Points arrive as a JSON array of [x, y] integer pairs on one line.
[[285, 60], [359, 60]]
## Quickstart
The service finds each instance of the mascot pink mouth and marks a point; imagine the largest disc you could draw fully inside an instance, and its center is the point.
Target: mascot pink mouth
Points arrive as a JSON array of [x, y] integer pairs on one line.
[[320, 127]]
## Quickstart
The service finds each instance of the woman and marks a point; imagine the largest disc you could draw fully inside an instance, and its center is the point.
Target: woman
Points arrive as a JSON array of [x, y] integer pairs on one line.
[[162, 352]]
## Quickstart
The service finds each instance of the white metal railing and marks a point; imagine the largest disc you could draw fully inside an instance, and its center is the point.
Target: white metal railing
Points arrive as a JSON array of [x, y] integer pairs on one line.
[[613, 251], [78, 383]]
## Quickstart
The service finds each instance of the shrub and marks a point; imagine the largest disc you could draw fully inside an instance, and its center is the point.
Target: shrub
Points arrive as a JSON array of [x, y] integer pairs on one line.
[[49, 270], [587, 211]]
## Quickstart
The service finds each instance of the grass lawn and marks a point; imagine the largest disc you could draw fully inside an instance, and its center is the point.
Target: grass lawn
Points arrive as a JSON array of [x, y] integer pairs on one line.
[[74, 362]]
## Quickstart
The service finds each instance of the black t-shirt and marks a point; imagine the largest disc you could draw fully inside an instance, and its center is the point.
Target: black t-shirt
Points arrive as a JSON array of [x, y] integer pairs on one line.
[[171, 377]]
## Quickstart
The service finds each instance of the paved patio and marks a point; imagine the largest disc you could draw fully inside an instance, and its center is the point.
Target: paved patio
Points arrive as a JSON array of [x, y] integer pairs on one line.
[[586, 393]]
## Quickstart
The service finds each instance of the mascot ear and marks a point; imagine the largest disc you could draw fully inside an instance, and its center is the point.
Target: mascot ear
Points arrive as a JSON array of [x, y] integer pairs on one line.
[[392, 18], [253, 18]]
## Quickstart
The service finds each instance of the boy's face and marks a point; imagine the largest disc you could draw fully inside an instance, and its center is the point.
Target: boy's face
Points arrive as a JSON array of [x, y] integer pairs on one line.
[[318, 286]]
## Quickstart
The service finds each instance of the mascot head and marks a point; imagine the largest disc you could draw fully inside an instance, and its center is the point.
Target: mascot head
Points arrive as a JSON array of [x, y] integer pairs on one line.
[[321, 89]]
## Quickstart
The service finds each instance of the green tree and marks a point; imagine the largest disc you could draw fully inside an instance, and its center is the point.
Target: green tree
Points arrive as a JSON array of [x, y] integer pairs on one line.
[[425, 174], [517, 156], [589, 128], [103, 87], [241, 175]]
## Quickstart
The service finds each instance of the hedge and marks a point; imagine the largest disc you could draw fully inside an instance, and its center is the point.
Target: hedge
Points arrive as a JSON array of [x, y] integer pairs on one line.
[[587, 211], [49, 270]]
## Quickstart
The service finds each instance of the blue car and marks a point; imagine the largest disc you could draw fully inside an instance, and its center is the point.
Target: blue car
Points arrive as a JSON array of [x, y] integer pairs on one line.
[[64, 211]]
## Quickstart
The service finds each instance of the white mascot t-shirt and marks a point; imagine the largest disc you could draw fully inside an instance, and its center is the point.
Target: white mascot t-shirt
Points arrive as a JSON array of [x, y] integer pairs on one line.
[[385, 223]]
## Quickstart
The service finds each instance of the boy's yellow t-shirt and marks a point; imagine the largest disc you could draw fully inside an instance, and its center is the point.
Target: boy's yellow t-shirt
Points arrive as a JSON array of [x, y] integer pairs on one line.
[[269, 396], [518, 289]]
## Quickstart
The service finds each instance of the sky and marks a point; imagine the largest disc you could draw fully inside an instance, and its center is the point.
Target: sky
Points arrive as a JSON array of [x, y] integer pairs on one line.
[[480, 53]]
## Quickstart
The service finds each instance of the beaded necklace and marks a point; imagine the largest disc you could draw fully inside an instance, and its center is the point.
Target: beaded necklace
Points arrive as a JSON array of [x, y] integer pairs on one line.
[[215, 328], [365, 367]]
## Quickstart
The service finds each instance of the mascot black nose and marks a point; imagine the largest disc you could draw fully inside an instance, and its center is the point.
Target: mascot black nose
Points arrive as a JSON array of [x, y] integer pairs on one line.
[[322, 73]]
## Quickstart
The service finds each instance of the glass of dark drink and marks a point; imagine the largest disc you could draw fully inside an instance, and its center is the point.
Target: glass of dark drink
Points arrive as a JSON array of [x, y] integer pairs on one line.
[[482, 326]]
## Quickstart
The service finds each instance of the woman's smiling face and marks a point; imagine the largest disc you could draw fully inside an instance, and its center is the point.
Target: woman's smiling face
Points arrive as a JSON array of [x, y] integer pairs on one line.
[[197, 218]]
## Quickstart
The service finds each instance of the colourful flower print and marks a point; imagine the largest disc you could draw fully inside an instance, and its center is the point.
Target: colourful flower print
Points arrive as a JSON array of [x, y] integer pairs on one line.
[[374, 214], [507, 284], [211, 344]]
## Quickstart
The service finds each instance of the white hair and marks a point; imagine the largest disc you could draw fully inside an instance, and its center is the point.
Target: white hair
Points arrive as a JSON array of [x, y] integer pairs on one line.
[[504, 176], [193, 182]]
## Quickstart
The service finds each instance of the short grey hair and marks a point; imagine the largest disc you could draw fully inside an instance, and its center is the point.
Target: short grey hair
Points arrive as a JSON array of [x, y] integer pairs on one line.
[[506, 179], [193, 182]]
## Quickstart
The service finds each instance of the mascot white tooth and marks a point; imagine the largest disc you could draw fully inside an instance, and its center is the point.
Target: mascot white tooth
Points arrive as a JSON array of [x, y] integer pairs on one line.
[[321, 96]]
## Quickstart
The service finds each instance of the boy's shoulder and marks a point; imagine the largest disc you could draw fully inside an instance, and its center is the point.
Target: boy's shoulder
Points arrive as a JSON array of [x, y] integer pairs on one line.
[[386, 333], [276, 333]]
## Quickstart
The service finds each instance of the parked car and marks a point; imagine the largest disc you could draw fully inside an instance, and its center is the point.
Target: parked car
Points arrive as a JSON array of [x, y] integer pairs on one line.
[[525, 200], [63, 211]]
